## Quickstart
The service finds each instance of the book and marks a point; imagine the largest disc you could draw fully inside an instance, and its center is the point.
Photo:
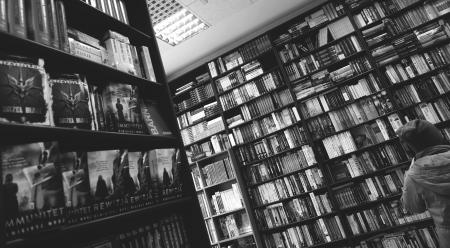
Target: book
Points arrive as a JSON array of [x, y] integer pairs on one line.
[[71, 106], [17, 21], [121, 109], [101, 166], [167, 179], [25, 95], [75, 176], [153, 119]]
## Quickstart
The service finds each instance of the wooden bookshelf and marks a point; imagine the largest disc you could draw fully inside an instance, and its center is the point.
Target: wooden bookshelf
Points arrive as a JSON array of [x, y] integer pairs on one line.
[[391, 93]]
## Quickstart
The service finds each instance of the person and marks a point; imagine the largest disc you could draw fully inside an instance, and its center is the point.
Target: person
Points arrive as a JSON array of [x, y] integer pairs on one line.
[[427, 181], [10, 189]]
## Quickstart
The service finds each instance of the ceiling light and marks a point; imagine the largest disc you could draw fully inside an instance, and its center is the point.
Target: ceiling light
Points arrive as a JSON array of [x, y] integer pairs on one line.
[[174, 23]]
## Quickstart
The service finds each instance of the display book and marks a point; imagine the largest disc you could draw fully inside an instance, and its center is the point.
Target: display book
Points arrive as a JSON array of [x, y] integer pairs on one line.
[[221, 202], [113, 49], [31, 96], [114, 8], [166, 231], [45, 187]]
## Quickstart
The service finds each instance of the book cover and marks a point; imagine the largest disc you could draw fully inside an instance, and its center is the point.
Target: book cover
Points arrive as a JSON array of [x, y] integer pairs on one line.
[[121, 109], [167, 178], [154, 121], [25, 95], [75, 175], [123, 183], [31, 180], [70, 102], [101, 170]]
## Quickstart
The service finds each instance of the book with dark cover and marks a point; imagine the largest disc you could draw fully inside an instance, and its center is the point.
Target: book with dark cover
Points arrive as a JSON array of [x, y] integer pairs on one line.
[[121, 109], [123, 183], [32, 188], [25, 95], [153, 119], [62, 26], [167, 176], [3, 16], [71, 106], [101, 170], [140, 170], [37, 20], [75, 174]]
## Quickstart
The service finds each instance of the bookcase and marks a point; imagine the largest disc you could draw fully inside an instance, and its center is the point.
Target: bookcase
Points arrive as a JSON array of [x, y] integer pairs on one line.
[[309, 111], [171, 214]]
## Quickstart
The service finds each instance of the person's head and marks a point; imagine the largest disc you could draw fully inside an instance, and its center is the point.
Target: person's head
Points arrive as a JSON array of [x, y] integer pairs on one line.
[[417, 135]]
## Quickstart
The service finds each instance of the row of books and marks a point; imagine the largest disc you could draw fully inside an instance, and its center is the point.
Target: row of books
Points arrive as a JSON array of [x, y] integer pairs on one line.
[[66, 100], [41, 21], [216, 144], [290, 186], [417, 65], [325, 56], [420, 237], [196, 96], [278, 166], [199, 80], [234, 225], [390, 6], [198, 115], [227, 200], [325, 79], [244, 54], [249, 91], [382, 216], [265, 126], [45, 187], [217, 172], [296, 210], [113, 49], [202, 130], [368, 162], [434, 112], [371, 189], [165, 232], [316, 233], [417, 93], [229, 81], [262, 107], [328, 12], [114, 8]]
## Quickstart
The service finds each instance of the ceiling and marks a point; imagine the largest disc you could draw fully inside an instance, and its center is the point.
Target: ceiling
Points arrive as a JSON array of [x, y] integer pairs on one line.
[[232, 22]]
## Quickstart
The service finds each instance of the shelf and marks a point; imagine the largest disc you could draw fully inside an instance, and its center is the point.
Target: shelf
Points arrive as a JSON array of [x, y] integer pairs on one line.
[[268, 135], [248, 81], [297, 223], [209, 157], [225, 213], [273, 155], [217, 184], [282, 176], [291, 197], [202, 120], [86, 139], [61, 61], [368, 204], [279, 88], [236, 238], [93, 229], [334, 64], [418, 77], [93, 18], [371, 174], [292, 104], [203, 139]]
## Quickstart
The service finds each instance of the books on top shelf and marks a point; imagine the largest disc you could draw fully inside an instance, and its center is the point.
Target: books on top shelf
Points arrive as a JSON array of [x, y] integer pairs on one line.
[[318, 232], [382, 216], [47, 188], [202, 130], [243, 54], [216, 144], [114, 8], [196, 96]]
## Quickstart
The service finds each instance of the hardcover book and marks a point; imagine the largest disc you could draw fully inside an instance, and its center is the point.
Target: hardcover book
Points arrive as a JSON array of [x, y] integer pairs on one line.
[[75, 175], [167, 178], [123, 183], [101, 170], [121, 109], [25, 95], [153, 119], [71, 107]]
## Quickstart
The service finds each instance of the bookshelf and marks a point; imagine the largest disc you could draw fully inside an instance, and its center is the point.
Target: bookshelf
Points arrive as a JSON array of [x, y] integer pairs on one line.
[[93, 22], [353, 70]]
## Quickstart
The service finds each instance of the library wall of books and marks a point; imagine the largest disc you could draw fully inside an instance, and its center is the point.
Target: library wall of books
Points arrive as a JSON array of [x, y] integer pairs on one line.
[[291, 136]]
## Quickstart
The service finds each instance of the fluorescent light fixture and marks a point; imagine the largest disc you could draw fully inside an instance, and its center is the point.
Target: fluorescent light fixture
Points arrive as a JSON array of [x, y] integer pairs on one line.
[[179, 26]]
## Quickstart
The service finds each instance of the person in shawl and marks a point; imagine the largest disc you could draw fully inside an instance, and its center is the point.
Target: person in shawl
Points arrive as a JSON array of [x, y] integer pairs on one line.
[[427, 182]]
